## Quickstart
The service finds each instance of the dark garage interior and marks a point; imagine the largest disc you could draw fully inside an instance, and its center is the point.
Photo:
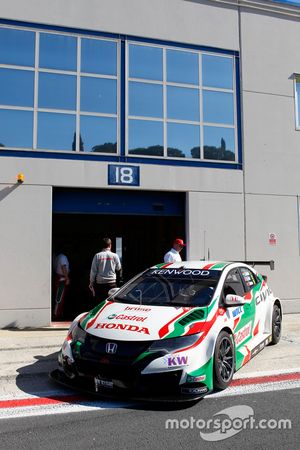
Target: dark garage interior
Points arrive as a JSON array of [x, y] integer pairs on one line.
[[143, 236]]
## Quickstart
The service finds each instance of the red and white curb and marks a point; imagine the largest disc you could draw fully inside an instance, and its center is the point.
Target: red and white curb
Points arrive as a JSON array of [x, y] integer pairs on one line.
[[52, 403], [251, 383], [61, 402]]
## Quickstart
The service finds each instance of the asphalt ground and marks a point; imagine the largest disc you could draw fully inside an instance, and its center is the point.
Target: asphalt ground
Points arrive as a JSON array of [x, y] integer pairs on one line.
[[275, 424]]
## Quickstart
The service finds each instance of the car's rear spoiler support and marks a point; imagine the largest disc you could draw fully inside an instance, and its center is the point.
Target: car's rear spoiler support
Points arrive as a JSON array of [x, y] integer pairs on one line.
[[252, 263]]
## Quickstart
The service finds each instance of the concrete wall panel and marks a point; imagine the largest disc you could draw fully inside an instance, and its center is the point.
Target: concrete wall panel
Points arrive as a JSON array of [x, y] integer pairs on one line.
[[93, 174], [271, 145], [25, 263], [175, 20], [275, 214], [216, 226]]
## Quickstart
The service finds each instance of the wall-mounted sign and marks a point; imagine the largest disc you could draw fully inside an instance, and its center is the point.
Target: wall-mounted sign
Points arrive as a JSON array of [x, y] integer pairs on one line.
[[272, 239], [123, 175]]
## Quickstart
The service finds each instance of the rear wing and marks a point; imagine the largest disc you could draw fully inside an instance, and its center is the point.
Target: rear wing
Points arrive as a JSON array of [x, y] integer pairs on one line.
[[252, 263]]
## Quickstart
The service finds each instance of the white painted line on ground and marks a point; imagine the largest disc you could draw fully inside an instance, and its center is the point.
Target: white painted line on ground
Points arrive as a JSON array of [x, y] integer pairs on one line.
[[255, 388], [14, 413], [239, 376]]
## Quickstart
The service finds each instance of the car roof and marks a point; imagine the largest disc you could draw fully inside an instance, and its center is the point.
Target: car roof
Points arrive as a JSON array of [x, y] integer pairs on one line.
[[203, 265]]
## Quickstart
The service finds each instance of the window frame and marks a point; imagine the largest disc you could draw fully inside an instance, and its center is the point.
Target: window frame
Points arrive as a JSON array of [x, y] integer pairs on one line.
[[78, 74], [200, 88], [122, 42], [235, 269]]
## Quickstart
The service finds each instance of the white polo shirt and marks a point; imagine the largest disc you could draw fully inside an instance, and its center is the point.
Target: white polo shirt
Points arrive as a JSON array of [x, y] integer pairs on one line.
[[172, 256]]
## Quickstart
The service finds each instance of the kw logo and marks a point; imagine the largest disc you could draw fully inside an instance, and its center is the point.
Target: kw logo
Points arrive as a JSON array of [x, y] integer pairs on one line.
[[175, 360]]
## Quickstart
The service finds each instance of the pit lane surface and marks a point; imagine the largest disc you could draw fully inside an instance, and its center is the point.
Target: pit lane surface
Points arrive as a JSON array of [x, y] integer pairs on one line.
[[35, 414], [106, 424]]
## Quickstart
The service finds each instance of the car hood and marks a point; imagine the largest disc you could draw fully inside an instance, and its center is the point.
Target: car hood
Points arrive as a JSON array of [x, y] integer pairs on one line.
[[128, 322]]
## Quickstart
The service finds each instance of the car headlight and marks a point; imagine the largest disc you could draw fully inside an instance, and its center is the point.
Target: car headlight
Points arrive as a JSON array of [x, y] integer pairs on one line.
[[174, 344], [78, 334]]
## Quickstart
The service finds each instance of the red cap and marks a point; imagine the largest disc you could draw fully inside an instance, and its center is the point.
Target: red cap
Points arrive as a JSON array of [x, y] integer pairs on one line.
[[179, 242]]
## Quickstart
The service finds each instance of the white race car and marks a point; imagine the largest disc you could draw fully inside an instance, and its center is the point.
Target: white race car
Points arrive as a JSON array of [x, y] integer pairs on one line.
[[176, 331]]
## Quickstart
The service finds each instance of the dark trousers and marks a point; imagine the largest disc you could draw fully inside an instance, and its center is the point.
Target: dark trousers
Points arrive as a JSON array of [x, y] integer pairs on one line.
[[101, 290], [60, 289]]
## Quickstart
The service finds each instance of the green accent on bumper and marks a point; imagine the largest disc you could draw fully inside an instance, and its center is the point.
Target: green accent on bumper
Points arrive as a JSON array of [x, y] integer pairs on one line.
[[76, 349], [142, 356], [207, 370]]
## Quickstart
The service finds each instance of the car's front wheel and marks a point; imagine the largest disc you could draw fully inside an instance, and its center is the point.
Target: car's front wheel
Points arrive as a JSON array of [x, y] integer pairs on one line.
[[223, 361], [276, 325]]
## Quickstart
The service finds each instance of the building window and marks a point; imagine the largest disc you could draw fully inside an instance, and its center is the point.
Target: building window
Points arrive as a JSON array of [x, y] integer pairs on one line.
[[297, 100], [17, 47], [181, 104], [60, 90], [74, 92]]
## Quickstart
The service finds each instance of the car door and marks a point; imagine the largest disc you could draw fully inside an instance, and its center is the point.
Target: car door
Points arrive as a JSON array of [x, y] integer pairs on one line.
[[243, 315], [257, 293]]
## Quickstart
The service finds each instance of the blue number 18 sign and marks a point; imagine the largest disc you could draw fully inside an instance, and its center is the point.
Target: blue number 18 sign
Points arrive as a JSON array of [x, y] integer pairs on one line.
[[123, 175]]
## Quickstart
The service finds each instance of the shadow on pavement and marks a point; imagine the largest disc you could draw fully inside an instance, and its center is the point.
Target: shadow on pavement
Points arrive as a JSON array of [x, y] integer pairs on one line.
[[33, 379]]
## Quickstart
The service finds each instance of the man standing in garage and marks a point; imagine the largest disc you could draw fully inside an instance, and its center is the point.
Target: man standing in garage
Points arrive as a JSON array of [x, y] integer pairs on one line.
[[103, 275], [173, 255]]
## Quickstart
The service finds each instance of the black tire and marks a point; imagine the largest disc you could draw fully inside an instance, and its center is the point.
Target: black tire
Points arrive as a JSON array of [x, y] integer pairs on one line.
[[224, 361], [276, 325]]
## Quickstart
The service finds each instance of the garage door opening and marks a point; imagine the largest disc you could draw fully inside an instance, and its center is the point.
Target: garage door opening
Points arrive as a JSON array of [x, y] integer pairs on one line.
[[141, 240]]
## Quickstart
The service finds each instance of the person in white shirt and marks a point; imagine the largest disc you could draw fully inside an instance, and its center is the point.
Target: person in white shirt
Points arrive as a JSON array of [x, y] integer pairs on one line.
[[61, 282], [103, 275], [173, 255]]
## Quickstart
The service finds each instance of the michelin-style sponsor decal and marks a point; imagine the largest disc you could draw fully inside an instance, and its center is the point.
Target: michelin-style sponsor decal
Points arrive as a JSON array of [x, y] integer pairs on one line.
[[122, 326], [237, 311], [241, 335], [125, 317], [181, 272], [176, 360]]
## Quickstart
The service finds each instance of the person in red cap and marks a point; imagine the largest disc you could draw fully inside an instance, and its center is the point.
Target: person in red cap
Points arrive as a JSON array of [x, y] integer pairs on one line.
[[173, 255]]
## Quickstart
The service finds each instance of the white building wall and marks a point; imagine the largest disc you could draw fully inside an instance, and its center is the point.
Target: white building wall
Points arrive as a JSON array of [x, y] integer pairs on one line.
[[25, 262], [270, 58], [216, 226], [276, 214], [211, 24]]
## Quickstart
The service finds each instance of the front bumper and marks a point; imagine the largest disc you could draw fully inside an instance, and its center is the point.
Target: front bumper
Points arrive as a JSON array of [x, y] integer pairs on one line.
[[87, 385], [114, 379]]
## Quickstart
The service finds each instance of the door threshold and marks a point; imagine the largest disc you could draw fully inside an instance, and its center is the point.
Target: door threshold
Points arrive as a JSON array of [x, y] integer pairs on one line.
[[62, 324]]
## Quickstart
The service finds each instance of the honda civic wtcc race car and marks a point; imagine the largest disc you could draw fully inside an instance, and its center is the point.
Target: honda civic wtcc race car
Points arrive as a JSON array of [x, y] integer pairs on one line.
[[176, 331]]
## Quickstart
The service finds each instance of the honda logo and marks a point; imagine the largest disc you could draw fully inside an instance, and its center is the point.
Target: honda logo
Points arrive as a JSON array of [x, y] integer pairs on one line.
[[111, 347]]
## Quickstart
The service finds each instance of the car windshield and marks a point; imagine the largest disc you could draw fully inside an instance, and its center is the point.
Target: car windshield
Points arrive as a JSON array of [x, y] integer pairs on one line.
[[170, 287]]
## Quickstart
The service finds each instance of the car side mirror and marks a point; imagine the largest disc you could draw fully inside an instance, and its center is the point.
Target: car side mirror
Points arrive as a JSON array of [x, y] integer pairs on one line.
[[113, 291], [234, 300]]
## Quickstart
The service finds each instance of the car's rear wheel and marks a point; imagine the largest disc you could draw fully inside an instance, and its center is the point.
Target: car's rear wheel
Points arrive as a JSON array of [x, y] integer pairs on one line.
[[223, 361], [276, 325]]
